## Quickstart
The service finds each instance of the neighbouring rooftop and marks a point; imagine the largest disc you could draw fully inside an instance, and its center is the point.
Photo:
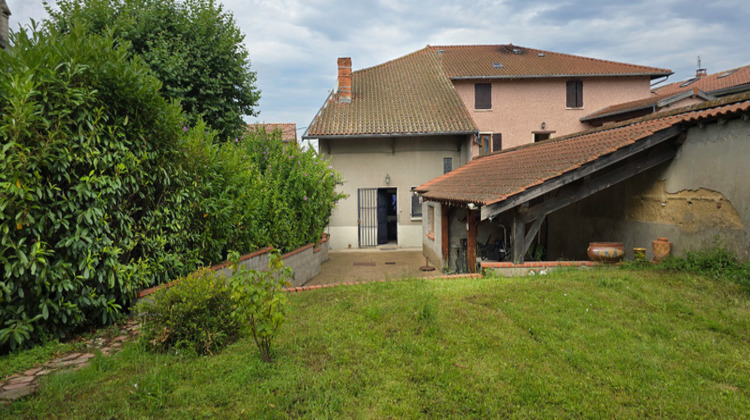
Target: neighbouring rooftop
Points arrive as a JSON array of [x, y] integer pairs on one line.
[[501, 175]]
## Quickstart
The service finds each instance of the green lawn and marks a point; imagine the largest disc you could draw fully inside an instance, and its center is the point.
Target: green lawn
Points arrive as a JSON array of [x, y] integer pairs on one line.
[[593, 343]]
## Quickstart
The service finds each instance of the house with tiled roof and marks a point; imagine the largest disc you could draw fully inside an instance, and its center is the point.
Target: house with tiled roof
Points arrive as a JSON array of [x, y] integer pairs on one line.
[[394, 126], [723, 83], [702, 87], [680, 174], [288, 131]]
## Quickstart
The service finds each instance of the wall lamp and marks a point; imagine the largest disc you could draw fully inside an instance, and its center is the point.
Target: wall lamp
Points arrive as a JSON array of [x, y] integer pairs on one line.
[[472, 206], [387, 179], [544, 125]]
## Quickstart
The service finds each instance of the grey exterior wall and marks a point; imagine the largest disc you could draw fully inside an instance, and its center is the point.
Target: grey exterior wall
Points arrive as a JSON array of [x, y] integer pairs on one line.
[[409, 161], [699, 199], [305, 262]]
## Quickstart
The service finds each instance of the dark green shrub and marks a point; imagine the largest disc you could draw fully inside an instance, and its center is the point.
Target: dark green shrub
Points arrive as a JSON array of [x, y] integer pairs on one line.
[[195, 315], [88, 151], [298, 190]]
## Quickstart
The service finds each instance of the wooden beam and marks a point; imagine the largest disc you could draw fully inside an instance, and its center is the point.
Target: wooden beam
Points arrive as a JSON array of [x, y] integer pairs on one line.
[[532, 232], [492, 210], [519, 240], [445, 232], [471, 241], [574, 192]]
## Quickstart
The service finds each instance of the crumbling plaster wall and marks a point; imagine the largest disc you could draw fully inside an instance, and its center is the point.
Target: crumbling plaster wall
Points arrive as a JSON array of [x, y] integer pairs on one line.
[[698, 200]]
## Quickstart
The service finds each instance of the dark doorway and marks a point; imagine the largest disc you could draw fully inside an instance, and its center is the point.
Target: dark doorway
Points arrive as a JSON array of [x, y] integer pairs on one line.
[[387, 216], [377, 216]]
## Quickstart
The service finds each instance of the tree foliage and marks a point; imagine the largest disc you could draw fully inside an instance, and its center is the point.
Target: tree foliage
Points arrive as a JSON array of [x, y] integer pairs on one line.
[[194, 47]]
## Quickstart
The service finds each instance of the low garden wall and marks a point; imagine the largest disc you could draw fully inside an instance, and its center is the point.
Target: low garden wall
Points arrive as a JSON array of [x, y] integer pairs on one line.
[[305, 263]]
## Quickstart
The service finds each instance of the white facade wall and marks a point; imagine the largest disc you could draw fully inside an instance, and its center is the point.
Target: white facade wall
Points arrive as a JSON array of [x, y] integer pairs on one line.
[[408, 161]]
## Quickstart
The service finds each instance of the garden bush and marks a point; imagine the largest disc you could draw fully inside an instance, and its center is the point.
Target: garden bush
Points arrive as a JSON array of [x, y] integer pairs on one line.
[[105, 189], [194, 315], [260, 303], [89, 150]]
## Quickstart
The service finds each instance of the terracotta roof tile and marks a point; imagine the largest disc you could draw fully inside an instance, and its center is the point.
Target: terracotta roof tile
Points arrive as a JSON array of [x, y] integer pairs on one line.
[[409, 95], [652, 101], [511, 61], [710, 83], [288, 130], [498, 176]]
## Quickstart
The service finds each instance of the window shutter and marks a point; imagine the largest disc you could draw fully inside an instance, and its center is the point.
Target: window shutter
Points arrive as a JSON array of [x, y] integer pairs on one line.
[[483, 96], [571, 94], [574, 94], [497, 142]]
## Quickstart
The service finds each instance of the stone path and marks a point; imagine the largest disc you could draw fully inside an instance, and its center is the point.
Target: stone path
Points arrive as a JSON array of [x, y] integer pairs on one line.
[[25, 383]]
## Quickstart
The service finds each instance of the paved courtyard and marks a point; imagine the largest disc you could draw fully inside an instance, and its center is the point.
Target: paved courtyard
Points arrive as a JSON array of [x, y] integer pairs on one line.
[[371, 264]]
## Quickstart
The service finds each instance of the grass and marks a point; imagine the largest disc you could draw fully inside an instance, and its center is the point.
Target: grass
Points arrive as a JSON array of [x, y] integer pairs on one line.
[[594, 343]]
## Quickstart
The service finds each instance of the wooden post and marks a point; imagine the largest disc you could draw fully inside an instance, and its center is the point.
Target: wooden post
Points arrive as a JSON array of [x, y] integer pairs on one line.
[[471, 241], [519, 240], [445, 233]]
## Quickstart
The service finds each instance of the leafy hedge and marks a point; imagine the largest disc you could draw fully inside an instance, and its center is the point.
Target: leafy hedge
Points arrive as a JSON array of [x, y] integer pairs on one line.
[[105, 191]]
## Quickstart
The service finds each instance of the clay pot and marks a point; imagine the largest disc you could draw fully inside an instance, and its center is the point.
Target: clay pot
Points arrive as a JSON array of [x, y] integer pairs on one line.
[[639, 254], [662, 248], [610, 252]]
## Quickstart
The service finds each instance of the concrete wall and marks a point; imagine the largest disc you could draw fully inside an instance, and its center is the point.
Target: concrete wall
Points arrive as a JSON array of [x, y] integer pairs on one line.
[[699, 199], [364, 163], [520, 106], [305, 262]]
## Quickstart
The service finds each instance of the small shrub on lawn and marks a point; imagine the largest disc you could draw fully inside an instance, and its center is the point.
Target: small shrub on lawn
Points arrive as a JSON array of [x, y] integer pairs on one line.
[[716, 262], [261, 305], [194, 315]]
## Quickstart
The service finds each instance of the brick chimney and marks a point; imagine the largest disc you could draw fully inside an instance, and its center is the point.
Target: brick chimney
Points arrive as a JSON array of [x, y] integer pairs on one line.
[[345, 79], [4, 15]]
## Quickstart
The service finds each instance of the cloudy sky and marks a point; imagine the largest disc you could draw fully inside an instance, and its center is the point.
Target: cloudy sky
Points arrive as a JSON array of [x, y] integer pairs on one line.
[[294, 44]]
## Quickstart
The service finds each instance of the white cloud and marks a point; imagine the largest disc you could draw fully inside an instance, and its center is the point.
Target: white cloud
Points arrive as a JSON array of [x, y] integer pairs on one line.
[[294, 44]]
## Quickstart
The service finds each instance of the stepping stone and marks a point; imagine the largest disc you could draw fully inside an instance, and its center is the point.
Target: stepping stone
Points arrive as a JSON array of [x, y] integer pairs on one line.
[[15, 393], [19, 381], [33, 372], [71, 356]]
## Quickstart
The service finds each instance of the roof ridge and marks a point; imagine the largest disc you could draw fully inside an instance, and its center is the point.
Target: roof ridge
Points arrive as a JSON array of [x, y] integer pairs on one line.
[[600, 60], [392, 60]]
